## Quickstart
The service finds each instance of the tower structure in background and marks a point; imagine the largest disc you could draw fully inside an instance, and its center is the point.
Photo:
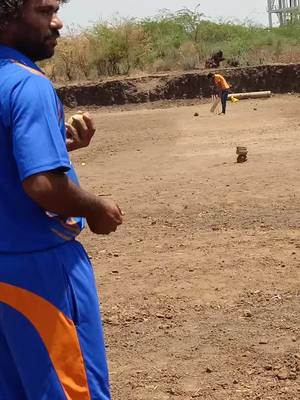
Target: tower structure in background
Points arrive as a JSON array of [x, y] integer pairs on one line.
[[284, 10]]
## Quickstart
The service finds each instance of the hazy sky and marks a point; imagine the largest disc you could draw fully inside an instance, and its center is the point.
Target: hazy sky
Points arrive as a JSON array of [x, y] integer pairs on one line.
[[85, 12]]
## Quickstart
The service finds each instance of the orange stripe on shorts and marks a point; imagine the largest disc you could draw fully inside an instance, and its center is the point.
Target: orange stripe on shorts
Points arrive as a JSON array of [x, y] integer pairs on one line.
[[58, 334]]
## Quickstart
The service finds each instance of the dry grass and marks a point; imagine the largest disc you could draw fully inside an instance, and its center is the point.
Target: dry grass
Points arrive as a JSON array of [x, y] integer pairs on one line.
[[180, 41]]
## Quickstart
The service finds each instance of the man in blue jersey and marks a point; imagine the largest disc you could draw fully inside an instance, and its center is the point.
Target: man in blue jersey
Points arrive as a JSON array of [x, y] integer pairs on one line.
[[51, 341]]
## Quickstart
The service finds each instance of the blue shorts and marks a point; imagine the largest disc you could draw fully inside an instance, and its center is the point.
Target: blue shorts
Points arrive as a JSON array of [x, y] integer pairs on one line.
[[51, 340]]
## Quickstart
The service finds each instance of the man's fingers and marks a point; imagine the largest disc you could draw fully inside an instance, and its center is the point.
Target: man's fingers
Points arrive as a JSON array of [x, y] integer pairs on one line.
[[71, 132], [89, 122], [85, 130], [80, 124], [120, 211]]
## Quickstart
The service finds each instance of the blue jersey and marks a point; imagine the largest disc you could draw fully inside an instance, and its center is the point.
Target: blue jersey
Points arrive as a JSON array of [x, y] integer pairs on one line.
[[32, 141]]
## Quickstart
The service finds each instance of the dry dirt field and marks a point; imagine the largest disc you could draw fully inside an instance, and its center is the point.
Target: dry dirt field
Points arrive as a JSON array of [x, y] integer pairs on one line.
[[200, 288]]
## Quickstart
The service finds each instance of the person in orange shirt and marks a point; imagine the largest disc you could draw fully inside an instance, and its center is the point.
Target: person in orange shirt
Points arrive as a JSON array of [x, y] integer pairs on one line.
[[222, 87]]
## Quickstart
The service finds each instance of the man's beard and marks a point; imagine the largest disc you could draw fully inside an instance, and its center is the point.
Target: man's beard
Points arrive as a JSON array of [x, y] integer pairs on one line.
[[38, 51]]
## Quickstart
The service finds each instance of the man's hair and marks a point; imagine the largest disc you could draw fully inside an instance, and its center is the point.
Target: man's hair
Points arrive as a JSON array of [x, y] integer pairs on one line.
[[10, 9], [210, 75]]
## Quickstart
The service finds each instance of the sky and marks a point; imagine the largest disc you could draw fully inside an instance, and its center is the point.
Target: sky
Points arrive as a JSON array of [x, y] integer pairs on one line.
[[84, 12]]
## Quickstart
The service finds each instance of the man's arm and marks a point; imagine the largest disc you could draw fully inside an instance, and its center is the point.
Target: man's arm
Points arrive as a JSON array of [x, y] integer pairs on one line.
[[55, 192]]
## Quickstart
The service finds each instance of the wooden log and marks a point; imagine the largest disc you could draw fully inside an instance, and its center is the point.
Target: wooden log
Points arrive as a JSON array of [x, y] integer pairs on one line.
[[251, 95]]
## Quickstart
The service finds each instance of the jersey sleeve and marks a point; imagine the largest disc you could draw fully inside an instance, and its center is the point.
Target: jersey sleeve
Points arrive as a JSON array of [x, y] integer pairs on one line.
[[37, 139]]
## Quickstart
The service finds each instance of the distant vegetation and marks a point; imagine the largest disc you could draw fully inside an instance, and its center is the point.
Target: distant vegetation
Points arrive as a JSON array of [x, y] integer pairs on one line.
[[170, 41]]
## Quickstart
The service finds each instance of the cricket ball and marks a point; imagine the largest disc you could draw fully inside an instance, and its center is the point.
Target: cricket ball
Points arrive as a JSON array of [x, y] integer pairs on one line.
[[74, 118]]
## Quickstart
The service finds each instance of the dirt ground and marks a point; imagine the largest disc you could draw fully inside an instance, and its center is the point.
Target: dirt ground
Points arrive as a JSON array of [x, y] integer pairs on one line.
[[200, 288]]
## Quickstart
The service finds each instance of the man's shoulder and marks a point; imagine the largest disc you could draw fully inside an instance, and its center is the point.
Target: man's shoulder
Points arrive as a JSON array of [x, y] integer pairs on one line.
[[14, 72], [17, 78]]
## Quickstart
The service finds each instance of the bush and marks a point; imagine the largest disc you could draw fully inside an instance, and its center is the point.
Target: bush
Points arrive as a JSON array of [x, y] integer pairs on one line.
[[168, 41]]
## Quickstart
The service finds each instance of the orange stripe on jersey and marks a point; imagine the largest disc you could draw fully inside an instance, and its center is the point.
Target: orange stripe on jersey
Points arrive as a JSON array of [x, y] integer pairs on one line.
[[71, 225], [62, 236], [58, 334], [32, 70]]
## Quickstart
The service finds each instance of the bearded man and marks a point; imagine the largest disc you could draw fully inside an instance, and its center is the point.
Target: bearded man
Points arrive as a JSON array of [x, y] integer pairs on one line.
[[51, 341]]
